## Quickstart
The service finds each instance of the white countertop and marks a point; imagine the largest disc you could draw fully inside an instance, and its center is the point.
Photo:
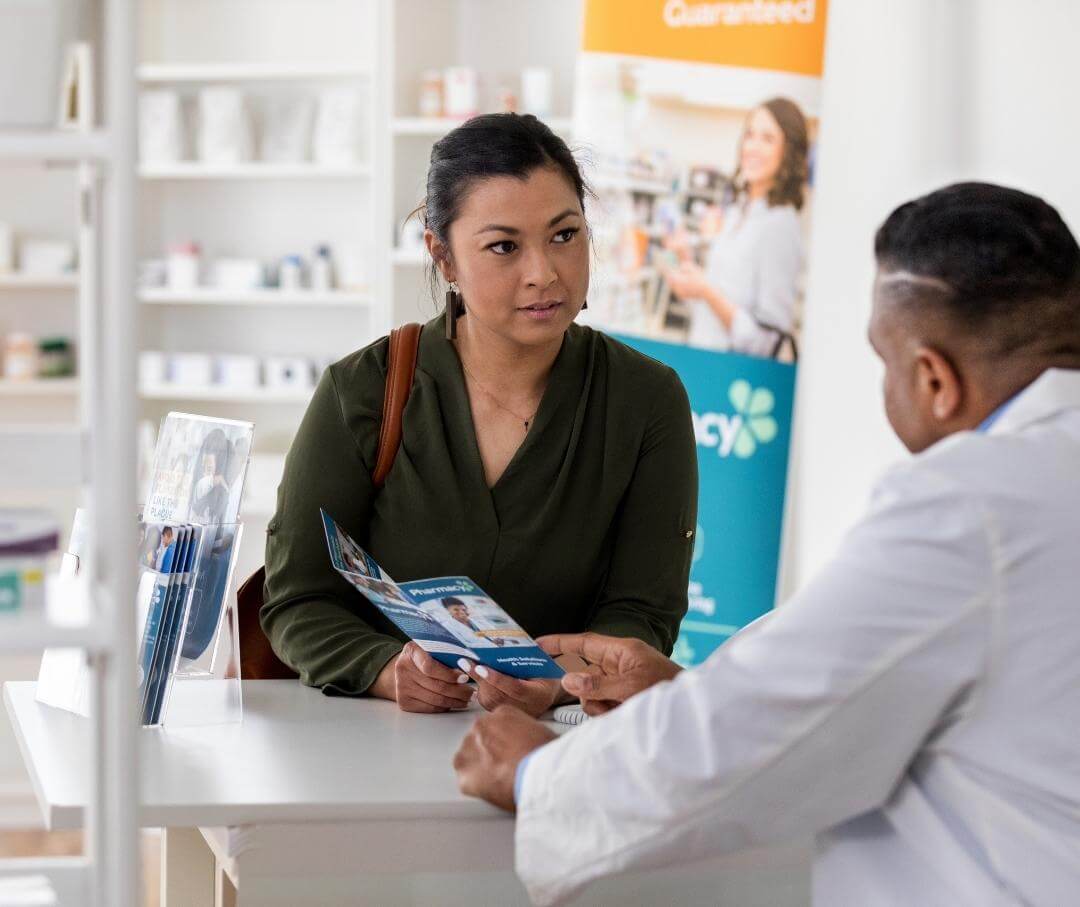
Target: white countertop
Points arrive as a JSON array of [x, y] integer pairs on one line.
[[298, 756]]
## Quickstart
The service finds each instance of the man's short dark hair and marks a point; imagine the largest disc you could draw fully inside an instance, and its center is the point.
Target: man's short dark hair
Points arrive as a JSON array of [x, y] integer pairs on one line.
[[452, 602], [1000, 262]]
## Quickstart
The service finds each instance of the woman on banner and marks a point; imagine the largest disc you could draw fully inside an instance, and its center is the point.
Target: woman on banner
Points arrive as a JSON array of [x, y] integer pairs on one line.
[[548, 462], [744, 299]]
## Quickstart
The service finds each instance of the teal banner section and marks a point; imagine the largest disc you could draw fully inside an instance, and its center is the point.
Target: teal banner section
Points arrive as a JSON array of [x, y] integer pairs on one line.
[[742, 421]]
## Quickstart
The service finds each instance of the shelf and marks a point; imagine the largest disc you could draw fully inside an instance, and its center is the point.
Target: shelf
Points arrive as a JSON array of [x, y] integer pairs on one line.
[[193, 170], [268, 297], [52, 145], [19, 281], [437, 126], [247, 72], [39, 387], [411, 257], [225, 394]]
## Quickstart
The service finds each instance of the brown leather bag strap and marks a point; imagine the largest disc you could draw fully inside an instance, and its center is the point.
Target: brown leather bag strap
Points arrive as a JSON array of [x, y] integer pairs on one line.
[[400, 369]]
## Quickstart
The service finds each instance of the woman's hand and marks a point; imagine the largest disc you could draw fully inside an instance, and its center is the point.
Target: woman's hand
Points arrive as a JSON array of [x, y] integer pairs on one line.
[[688, 281], [533, 697], [421, 684]]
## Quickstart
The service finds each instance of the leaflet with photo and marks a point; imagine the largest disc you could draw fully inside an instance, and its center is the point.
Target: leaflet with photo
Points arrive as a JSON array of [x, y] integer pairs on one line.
[[450, 617]]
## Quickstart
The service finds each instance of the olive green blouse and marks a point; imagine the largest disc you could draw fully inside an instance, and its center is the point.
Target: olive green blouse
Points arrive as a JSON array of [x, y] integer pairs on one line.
[[590, 527]]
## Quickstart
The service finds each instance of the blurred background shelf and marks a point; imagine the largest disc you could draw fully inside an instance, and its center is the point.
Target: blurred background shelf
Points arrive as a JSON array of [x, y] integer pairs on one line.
[[268, 297], [171, 73], [15, 280], [38, 387], [225, 394], [193, 170]]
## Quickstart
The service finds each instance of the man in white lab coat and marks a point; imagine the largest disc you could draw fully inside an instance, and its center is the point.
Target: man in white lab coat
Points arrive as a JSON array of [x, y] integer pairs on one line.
[[917, 705]]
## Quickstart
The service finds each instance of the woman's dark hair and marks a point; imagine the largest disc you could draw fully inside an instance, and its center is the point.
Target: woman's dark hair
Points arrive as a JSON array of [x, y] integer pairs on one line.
[[496, 144], [794, 164], [1005, 264]]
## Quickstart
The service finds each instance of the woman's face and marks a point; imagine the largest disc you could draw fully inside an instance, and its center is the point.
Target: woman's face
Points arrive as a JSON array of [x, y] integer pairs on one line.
[[762, 148], [520, 255]]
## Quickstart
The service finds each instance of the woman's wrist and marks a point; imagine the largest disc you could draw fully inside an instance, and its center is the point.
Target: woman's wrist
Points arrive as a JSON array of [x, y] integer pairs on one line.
[[724, 310], [385, 684]]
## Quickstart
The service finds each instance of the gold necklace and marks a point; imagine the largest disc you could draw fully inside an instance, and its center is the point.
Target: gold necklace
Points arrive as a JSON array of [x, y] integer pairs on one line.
[[495, 400]]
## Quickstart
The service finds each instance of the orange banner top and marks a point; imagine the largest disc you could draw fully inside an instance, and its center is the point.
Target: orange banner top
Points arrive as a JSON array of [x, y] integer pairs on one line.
[[781, 35]]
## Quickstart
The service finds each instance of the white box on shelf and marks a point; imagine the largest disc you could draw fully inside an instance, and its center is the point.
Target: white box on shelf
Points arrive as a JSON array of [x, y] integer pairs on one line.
[[536, 91], [153, 368], [191, 369], [462, 92], [27, 539], [288, 372], [46, 256], [225, 131], [336, 141], [237, 372], [161, 127], [286, 137], [237, 274]]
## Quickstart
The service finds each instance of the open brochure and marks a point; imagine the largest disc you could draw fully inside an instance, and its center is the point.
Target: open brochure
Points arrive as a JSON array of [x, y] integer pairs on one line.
[[450, 617]]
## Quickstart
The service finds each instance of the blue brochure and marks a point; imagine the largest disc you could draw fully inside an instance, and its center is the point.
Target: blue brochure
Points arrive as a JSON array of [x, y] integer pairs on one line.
[[449, 617]]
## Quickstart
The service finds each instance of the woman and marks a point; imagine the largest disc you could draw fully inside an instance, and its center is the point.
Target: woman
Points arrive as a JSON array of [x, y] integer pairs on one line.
[[744, 299], [552, 465]]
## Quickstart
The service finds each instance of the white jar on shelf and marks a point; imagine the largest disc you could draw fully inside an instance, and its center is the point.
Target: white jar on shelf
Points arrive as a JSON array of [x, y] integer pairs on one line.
[[20, 357], [291, 274], [182, 266], [322, 270], [225, 133]]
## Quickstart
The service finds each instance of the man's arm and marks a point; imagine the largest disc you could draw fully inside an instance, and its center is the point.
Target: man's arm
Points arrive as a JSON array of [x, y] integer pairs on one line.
[[798, 723]]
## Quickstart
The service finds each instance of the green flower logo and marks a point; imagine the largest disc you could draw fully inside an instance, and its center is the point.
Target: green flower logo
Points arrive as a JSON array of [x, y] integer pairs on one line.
[[754, 408]]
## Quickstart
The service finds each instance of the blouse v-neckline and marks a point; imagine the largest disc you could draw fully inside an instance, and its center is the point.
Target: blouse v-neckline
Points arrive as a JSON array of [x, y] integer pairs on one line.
[[460, 416]]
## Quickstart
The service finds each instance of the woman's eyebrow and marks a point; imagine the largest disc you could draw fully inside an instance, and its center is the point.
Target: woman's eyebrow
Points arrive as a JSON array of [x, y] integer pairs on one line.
[[513, 231]]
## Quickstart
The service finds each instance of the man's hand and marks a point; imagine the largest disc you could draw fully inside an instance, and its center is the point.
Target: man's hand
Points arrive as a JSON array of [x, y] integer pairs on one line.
[[487, 760], [620, 668], [534, 697]]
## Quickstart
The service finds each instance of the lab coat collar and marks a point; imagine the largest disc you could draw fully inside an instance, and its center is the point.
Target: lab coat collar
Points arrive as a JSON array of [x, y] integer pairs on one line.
[[1055, 390]]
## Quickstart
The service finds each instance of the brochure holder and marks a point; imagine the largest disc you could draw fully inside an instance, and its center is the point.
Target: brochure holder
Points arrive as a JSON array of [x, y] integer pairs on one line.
[[194, 679]]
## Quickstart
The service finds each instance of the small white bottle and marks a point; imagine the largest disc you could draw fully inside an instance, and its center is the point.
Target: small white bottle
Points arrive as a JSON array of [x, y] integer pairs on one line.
[[322, 270], [290, 275]]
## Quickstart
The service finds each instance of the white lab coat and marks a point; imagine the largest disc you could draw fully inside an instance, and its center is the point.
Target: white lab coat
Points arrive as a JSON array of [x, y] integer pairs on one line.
[[755, 262], [916, 706]]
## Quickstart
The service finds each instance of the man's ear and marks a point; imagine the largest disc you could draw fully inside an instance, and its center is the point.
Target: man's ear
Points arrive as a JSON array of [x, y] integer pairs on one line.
[[938, 383], [440, 254]]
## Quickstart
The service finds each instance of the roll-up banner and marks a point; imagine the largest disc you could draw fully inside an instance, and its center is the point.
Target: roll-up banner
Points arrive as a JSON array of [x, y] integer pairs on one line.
[[697, 124]]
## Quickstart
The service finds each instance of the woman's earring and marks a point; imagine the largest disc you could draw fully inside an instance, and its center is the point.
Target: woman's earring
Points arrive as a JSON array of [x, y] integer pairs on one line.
[[455, 308]]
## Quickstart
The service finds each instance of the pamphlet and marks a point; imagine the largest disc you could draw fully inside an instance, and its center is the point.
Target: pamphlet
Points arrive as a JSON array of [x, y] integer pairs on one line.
[[449, 617]]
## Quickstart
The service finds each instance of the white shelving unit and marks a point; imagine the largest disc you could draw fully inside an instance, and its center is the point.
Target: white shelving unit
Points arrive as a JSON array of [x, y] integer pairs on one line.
[[39, 387], [211, 296], [224, 394], [173, 73], [190, 170], [17, 281], [104, 161]]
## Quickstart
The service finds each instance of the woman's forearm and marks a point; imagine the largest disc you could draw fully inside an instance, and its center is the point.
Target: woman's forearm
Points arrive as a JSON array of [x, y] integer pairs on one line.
[[723, 309]]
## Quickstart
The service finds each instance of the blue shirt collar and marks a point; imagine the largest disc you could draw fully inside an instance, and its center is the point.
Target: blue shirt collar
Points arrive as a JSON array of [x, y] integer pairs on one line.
[[986, 423]]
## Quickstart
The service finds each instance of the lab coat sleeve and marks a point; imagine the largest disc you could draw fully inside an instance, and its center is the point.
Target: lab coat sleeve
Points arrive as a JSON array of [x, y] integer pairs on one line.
[[806, 718], [778, 265]]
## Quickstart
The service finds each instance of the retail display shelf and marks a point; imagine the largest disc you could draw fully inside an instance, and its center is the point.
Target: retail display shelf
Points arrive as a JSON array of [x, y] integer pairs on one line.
[[41, 455], [225, 394], [53, 145], [268, 297], [247, 72], [38, 387], [435, 126], [194, 170], [19, 281]]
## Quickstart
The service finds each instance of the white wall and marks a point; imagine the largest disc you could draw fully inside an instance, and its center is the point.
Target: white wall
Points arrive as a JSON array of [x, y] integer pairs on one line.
[[917, 93]]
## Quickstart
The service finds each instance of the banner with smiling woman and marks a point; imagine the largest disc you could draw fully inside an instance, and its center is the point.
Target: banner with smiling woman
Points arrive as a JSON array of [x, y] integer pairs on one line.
[[697, 123]]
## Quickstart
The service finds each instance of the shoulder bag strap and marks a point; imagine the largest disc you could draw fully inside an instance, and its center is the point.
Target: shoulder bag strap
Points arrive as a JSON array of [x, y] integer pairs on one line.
[[400, 369]]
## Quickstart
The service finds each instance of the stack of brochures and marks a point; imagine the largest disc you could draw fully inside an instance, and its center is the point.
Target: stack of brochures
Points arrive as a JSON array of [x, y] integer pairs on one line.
[[449, 617], [188, 541]]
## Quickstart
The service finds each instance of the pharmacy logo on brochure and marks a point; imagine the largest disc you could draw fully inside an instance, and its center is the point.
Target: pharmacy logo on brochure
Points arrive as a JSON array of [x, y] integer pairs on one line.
[[741, 432]]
